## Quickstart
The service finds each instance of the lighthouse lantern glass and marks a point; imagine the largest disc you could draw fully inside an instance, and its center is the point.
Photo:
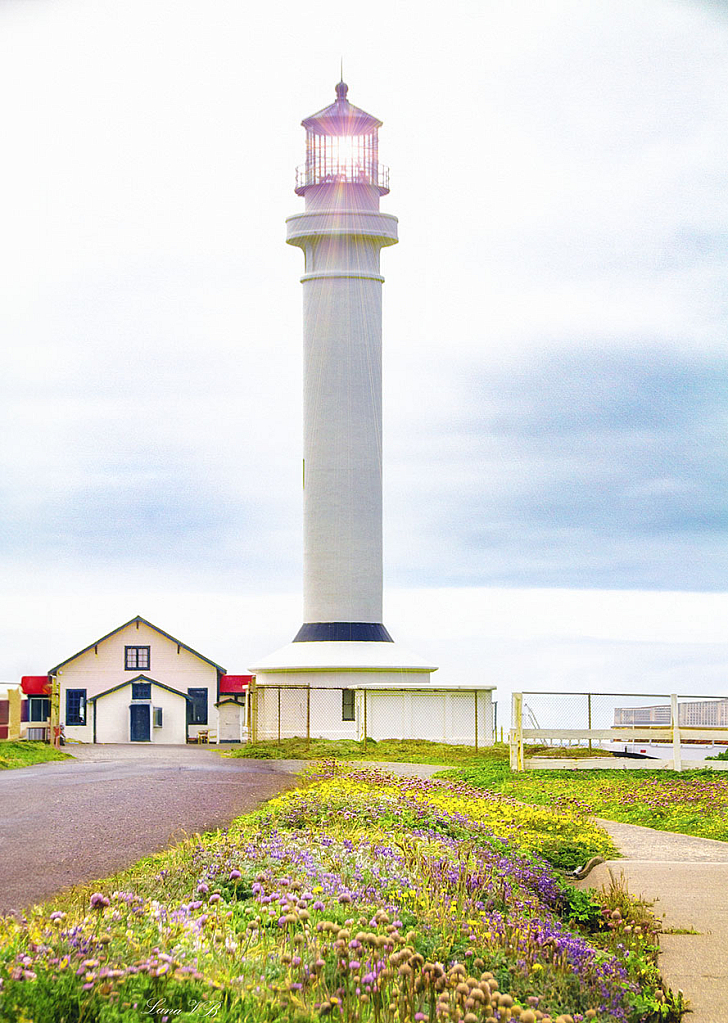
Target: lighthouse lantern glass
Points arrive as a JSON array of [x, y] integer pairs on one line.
[[341, 158]]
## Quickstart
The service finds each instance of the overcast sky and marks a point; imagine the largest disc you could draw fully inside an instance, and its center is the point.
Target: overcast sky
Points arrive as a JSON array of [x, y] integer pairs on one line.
[[554, 328]]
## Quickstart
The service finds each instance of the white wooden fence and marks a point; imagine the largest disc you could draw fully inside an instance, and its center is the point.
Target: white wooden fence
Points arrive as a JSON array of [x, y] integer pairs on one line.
[[673, 733]]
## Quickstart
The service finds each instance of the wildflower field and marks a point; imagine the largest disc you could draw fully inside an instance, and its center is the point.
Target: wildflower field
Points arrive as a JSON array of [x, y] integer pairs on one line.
[[691, 802], [360, 896]]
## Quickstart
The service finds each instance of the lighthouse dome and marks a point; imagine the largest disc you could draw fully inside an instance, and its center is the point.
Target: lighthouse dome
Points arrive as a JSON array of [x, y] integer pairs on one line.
[[341, 118]]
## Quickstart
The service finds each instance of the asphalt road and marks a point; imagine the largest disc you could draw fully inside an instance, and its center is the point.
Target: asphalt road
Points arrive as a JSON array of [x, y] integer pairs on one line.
[[73, 821]]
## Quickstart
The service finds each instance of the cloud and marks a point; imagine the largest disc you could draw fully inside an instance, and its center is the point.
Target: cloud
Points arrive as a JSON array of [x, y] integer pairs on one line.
[[589, 470], [555, 317]]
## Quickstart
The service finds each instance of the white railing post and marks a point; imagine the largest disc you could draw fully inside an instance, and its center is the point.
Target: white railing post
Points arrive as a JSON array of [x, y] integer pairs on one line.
[[676, 751], [516, 733]]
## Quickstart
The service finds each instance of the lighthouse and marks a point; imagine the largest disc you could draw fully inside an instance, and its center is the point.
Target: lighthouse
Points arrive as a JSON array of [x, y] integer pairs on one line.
[[341, 233], [342, 642]]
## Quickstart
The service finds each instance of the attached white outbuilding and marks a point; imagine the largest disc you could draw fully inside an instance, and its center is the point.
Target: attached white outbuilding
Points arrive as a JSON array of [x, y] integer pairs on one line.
[[458, 714], [346, 690]]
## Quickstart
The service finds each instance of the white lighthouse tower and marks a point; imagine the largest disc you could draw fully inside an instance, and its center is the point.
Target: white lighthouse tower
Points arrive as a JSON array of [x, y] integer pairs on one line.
[[342, 642]]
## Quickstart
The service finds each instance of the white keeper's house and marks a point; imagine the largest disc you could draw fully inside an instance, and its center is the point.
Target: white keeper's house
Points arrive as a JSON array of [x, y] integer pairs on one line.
[[139, 684]]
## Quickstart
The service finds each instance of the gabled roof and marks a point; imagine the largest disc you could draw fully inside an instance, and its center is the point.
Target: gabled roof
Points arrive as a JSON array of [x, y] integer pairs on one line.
[[139, 678], [142, 621]]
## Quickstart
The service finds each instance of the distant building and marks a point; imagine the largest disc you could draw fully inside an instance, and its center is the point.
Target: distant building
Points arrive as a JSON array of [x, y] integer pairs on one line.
[[695, 714], [139, 684], [11, 710]]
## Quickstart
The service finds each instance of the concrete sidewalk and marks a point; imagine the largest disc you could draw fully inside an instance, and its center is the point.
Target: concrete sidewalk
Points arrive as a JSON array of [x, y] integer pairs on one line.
[[686, 880]]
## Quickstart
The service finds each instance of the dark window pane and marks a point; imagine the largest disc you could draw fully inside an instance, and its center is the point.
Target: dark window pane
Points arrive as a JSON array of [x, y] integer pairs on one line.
[[197, 710], [39, 708], [136, 657], [347, 705], [75, 706], [141, 690]]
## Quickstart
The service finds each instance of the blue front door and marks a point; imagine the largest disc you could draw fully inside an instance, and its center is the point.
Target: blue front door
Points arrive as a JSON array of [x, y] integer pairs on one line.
[[139, 722]]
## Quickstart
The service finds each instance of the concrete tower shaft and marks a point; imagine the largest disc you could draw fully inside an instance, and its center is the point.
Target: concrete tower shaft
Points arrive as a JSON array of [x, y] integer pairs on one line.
[[341, 236]]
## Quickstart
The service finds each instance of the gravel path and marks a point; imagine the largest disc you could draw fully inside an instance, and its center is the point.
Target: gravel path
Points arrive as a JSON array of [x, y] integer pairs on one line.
[[70, 822]]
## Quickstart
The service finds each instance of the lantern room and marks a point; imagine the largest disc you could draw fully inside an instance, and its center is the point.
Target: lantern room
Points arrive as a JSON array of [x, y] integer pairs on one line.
[[342, 147]]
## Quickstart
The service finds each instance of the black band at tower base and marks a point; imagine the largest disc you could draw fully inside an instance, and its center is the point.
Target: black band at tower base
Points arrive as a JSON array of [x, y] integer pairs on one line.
[[353, 632]]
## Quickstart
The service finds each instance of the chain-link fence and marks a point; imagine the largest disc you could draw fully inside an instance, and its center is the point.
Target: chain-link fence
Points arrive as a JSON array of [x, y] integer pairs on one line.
[[633, 725], [452, 715]]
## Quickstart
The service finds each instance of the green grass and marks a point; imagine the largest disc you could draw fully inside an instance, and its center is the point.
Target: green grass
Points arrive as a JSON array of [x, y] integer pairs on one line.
[[691, 802], [24, 754], [413, 751]]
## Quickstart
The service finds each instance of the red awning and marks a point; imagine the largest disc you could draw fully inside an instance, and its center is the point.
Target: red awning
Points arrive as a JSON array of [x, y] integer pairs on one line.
[[235, 683], [35, 685]]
